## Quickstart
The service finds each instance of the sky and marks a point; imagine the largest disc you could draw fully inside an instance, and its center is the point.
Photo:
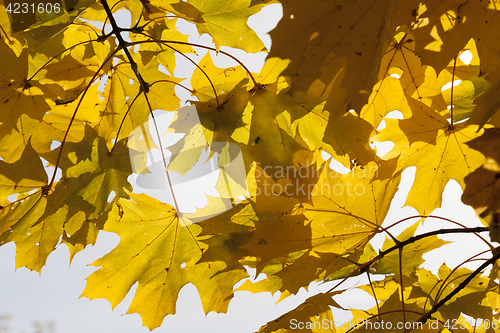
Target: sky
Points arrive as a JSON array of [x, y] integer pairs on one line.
[[52, 299]]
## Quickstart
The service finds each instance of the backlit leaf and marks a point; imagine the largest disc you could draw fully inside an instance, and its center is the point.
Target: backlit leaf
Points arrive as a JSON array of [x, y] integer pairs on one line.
[[147, 228]]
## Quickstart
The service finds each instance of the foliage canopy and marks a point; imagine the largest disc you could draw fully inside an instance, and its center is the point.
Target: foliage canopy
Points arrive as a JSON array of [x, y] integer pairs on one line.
[[73, 89]]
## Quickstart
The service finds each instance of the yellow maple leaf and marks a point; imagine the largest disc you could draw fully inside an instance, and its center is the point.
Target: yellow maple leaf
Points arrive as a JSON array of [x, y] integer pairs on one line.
[[307, 36], [225, 22], [17, 93], [437, 149], [163, 254]]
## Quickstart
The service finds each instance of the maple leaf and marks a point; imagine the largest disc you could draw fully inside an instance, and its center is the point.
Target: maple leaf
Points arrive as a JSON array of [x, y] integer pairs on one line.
[[208, 82], [481, 186], [263, 194], [339, 136], [17, 92], [226, 23], [427, 141], [413, 253], [72, 73], [126, 108], [163, 31], [85, 94], [329, 202], [307, 36], [313, 311], [464, 95], [19, 219], [162, 253], [437, 287], [488, 104], [442, 31], [212, 77], [103, 174], [251, 119], [318, 236], [44, 32], [15, 177], [52, 128], [69, 205], [389, 309], [32, 244]]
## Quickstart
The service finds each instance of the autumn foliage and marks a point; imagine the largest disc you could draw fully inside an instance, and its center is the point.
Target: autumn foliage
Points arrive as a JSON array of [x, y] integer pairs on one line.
[[73, 89]]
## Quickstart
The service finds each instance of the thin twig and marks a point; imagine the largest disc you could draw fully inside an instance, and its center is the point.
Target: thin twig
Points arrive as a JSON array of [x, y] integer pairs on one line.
[[123, 45], [401, 286], [461, 286], [363, 267], [153, 40], [108, 58]]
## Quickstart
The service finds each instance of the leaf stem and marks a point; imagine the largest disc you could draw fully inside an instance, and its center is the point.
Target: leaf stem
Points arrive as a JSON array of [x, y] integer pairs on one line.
[[57, 55], [203, 47], [451, 95], [194, 63], [109, 57], [441, 288], [374, 295], [123, 122], [144, 86]]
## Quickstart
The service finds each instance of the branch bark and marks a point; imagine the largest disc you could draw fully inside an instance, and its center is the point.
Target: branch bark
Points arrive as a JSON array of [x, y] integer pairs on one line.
[[461, 286], [123, 46]]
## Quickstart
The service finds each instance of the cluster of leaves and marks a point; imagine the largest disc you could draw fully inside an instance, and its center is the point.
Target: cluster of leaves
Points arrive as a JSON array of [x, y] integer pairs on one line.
[[71, 94]]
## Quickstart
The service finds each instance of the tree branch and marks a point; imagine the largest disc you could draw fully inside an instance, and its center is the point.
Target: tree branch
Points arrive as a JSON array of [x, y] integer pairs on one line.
[[413, 239], [365, 266], [123, 45], [461, 286]]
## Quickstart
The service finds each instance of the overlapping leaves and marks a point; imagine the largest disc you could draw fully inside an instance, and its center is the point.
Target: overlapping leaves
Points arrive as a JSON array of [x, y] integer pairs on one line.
[[72, 90]]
